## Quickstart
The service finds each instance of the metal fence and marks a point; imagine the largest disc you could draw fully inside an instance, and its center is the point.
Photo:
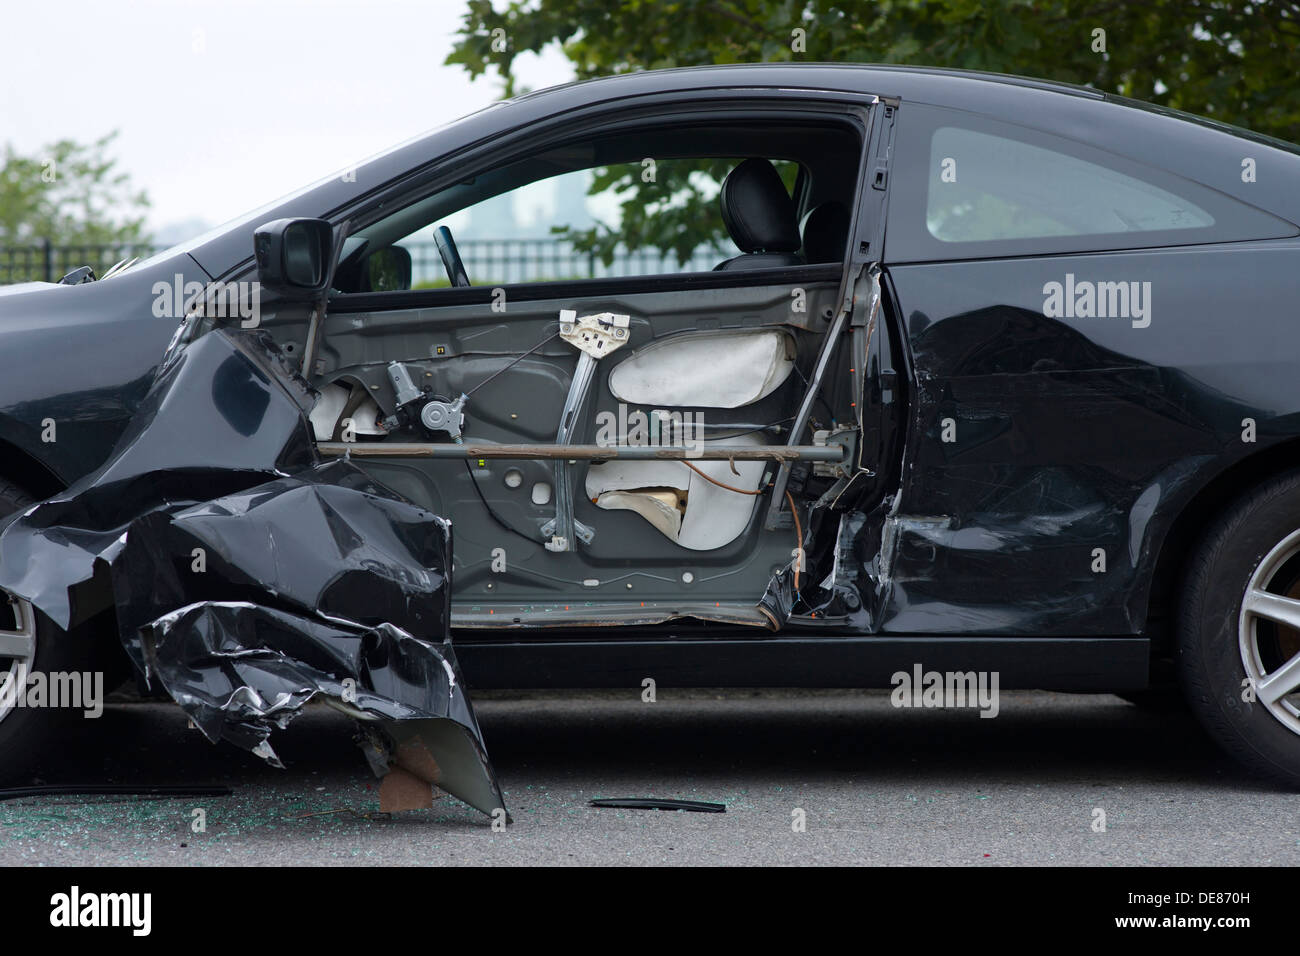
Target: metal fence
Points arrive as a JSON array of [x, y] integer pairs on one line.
[[501, 261], [47, 262], [487, 261]]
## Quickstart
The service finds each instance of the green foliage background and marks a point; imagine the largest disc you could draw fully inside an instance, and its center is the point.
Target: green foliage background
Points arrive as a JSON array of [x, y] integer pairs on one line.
[[1236, 62], [71, 194]]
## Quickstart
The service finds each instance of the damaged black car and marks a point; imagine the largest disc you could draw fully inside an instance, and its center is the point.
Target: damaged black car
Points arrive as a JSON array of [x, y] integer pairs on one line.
[[995, 380]]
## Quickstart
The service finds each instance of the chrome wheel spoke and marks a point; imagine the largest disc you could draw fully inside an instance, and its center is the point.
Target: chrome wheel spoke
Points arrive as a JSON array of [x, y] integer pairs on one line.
[[1273, 607], [19, 642], [1266, 629], [1276, 685], [15, 644], [17, 651]]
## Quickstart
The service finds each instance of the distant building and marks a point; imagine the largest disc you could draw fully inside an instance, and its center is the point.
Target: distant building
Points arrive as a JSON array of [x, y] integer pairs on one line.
[[502, 218]]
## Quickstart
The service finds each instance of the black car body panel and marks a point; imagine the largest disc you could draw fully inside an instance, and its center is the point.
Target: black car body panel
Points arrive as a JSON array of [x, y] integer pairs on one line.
[[1077, 439], [83, 357]]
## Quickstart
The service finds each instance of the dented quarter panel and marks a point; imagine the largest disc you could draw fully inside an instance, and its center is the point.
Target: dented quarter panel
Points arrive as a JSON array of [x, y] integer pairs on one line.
[[1075, 434]]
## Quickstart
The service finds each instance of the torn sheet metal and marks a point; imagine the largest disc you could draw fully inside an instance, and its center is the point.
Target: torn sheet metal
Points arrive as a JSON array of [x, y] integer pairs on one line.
[[250, 587], [224, 399]]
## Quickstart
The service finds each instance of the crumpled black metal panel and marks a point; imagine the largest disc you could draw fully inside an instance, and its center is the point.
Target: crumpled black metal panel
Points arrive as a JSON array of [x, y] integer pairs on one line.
[[248, 577], [224, 416], [328, 542], [240, 670]]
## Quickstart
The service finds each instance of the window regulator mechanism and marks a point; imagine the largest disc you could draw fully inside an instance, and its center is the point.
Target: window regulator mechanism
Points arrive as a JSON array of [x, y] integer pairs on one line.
[[594, 336], [414, 405]]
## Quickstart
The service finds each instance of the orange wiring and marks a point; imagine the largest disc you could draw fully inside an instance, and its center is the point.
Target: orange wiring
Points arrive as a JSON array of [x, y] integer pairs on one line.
[[714, 481]]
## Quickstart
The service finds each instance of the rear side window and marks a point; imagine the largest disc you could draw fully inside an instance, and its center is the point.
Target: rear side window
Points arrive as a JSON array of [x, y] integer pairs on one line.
[[969, 187], [984, 187]]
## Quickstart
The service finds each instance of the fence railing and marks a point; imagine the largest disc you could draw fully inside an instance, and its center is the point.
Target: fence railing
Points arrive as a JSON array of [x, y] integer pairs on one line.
[[487, 261], [46, 261]]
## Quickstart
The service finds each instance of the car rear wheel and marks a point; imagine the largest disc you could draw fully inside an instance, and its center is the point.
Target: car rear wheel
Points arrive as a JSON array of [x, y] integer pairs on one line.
[[29, 643], [1239, 630]]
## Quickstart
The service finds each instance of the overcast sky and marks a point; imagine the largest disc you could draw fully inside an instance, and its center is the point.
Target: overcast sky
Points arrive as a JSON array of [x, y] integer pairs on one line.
[[224, 105]]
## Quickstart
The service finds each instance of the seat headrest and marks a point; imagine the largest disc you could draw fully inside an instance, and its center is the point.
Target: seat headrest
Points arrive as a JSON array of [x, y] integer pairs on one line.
[[756, 209], [826, 232]]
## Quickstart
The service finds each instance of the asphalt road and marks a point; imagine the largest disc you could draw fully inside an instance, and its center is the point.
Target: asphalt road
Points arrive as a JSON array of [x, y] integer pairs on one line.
[[878, 786]]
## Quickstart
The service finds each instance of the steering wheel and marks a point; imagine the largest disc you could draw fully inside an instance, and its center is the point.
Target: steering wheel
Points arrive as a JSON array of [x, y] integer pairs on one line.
[[450, 257]]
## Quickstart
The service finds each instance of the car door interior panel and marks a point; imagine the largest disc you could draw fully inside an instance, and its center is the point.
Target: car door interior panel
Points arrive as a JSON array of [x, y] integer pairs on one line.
[[709, 368]]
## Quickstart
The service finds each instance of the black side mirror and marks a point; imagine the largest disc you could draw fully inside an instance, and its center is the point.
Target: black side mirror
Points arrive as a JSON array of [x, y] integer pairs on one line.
[[293, 256], [387, 270]]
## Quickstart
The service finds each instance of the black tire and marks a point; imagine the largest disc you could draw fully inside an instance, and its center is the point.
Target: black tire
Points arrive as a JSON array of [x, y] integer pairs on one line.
[[26, 733], [1211, 668]]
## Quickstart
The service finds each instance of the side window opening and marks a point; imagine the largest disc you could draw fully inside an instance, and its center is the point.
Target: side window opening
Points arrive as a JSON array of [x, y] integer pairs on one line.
[[645, 202], [575, 226]]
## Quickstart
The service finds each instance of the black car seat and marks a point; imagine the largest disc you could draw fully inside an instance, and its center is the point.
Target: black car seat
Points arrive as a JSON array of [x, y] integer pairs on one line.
[[825, 233], [760, 217]]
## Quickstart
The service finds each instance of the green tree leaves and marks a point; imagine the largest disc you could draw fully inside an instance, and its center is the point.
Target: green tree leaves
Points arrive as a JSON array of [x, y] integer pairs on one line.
[[71, 194]]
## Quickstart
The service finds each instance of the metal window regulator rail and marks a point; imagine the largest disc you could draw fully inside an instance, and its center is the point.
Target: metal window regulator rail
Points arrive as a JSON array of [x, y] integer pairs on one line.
[[594, 336]]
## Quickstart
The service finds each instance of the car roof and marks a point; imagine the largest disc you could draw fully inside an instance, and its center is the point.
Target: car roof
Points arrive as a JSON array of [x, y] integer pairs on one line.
[[884, 79]]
